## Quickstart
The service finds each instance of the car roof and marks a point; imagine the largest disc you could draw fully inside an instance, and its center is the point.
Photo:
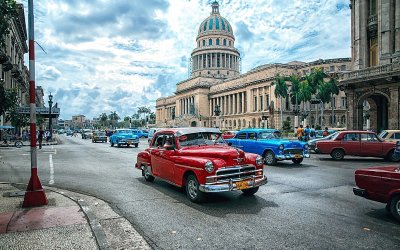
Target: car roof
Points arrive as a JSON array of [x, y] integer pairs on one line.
[[357, 131], [189, 130], [257, 130]]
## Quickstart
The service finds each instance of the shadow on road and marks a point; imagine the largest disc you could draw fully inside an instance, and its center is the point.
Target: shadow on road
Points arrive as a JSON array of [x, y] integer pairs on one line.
[[382, 215], [215, 204]]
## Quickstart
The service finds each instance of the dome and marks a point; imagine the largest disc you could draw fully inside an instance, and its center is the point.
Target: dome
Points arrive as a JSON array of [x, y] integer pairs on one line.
[[215, 22]]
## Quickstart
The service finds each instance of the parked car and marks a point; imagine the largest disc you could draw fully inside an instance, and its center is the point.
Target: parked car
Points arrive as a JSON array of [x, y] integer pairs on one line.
[[229, 134], [358, 143], [69, 132], [124, 137], [390, 135], [140, 133], [380, 184], [200, 160], [319, 133], [270, 145], [313, 142], [99, 136]]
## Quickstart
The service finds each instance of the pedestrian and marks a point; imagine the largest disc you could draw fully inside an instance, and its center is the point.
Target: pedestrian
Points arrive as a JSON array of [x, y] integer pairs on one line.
[[312, 132], [40, 137], [300, 133], [326, 132], [307, 133]]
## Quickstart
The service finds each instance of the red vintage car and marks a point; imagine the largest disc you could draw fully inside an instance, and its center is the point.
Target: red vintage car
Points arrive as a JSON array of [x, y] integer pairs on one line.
[[200, 160], [358, 143], [380, 184], [229, 134]]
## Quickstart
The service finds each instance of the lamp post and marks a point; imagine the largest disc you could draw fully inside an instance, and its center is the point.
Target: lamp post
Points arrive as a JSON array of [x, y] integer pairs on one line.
[[217, 112], [50, 120]]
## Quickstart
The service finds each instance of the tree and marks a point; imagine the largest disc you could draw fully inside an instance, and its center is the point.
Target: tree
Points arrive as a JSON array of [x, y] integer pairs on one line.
[[113, 118], [281, 89], [103, 119], [8, 11]]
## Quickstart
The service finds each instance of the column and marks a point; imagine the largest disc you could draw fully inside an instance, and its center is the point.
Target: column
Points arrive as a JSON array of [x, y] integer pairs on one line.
[[220, 60], [394, 109], [229, 61], [234, 104], [397, 26], [258, 99]]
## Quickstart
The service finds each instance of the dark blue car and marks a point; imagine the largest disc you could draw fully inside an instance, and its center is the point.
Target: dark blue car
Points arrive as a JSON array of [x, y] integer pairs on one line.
[[269, 144]]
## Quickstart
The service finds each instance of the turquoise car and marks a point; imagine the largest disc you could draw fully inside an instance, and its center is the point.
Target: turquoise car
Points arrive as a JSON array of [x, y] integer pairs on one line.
[[270, 145], [124, 137]]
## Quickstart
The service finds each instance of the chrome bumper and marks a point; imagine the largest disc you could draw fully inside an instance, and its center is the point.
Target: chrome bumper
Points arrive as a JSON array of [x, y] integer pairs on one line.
[[231, 185], [291, 156]]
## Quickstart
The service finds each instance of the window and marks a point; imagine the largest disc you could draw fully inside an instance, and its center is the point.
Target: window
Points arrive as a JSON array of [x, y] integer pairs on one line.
[[261, 103], [343, 102], [332, 68], [224, 42], [210, 41], [266, 101], [216, 23], [251, 136], [395, 136], [210, 26], [229, 29], [241, 136], [230, 44], [204, 43], [217, 41], [369, 138], [255, 103], [158, 142], [343, 67], [351, 137], [223, 23], [205, 26]]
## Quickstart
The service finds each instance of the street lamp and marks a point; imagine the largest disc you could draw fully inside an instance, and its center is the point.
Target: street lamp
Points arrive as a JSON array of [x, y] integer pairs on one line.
[[50, 120]]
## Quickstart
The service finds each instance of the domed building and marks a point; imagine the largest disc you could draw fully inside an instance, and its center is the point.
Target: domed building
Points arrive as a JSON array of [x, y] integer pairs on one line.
[[218, 95], [215, 54]]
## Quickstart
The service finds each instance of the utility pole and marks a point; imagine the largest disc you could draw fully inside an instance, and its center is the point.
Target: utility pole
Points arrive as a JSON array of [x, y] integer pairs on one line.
[[35, 194]]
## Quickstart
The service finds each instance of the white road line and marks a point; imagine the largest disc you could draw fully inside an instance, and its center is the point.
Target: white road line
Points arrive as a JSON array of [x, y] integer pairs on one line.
[[51, 169]]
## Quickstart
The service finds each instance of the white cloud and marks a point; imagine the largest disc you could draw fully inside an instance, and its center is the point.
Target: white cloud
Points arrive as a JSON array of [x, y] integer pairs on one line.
[[105, 55]]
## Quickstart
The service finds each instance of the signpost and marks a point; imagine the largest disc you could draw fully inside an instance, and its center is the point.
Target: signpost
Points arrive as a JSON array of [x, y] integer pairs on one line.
[[39, 111]]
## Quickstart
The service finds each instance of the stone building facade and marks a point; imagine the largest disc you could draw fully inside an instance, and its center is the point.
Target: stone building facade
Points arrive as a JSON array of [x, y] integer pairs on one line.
[[373, 86], [12, 69], [244, 100]]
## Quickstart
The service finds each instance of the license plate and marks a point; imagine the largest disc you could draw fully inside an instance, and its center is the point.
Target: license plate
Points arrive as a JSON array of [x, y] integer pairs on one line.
[[297, 156], [242, 185]]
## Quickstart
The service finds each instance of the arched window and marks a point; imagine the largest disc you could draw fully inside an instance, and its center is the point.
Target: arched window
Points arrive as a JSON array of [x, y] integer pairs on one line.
[[230, 44], [204, 43], [229, 29], [210, 26], [205, 26], [217, 42], [216, 23], [210, 41], [223, 24], [224, 42]]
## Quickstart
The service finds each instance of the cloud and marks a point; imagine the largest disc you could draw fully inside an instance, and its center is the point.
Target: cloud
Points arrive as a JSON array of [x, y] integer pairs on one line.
[[115, 55]]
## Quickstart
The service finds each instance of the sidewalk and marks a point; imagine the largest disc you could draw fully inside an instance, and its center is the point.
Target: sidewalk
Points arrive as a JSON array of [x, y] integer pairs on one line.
[[69, 221], [56, 140]]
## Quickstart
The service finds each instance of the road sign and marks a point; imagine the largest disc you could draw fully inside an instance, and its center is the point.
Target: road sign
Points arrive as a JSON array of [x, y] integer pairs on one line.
[[39, 110]]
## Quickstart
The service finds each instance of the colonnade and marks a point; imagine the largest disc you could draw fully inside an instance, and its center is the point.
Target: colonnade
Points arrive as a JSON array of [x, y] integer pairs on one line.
[[185, 104], [216, 60], [229, 104]]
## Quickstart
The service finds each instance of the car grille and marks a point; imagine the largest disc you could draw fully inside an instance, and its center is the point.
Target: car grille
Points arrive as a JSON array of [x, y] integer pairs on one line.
[[237, 172], [293, 151]]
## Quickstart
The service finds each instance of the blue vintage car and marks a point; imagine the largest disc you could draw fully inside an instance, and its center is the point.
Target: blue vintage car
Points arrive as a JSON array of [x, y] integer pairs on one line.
[[140, 133], [269, 144], [124, 137]]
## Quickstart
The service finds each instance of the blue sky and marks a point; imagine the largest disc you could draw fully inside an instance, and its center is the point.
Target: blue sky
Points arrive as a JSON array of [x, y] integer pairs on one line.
[[114, 55]]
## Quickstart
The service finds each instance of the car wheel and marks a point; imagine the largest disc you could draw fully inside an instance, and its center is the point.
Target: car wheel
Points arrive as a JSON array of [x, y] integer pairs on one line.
[[18, 144], [136, 145], [269, 158], [395, 207], [337, 154], [297, 160], [250, 191], [392, 156], [192, 189], [112, 144], [147, 175]]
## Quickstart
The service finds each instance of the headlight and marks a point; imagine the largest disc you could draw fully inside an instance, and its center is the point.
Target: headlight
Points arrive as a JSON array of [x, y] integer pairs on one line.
[[259, 160], [306, 146], [281, 147], [209, 167]]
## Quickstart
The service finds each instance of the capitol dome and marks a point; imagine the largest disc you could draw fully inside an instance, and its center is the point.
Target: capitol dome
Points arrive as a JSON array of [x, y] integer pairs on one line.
[[215, 54]]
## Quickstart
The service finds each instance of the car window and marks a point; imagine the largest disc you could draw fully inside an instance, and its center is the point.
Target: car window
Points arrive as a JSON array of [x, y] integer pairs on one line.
[[369, 138], [168, 140], [159, 141], [241, 136], [251, 136], [351, 137], [383, 134], [395, 136]]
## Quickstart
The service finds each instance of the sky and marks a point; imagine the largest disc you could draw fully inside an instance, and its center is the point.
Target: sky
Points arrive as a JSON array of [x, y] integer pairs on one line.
[[101, 56]]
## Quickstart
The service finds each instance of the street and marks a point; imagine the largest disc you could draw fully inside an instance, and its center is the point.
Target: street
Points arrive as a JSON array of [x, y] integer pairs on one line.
[[306, 206]]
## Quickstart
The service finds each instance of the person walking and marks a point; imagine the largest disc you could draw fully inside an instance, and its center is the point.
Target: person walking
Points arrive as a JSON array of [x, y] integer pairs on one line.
[[326, 132], [307, 133], [40, 137], [300, 133]]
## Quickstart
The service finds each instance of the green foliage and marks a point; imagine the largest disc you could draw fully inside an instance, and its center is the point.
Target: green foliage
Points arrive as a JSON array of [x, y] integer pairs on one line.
[[8, 98], [8, 10], [281, 89], [17, 120], [287, 125]]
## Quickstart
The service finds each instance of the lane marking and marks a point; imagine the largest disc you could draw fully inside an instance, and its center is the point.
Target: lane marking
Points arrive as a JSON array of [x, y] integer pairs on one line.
[[51, 169]]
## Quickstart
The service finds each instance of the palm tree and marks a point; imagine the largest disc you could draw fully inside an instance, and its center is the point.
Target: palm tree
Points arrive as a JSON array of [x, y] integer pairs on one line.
[[113, 118], [103, 119], [281, 90]]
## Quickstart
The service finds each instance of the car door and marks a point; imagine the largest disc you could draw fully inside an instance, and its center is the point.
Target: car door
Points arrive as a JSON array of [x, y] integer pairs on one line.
[[251, 144], [162, 158], [238, 139], [370, 145], [351, 143]]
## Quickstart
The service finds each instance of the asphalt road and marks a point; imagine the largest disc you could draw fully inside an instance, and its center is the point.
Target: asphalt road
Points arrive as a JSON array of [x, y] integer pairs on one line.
[[303, 207]]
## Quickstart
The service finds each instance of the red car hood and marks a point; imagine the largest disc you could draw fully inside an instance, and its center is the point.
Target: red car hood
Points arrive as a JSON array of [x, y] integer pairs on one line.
[[379, 170], [228, 154]]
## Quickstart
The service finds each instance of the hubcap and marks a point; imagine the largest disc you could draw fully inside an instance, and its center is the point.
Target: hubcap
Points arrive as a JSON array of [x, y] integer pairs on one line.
[[338, 155], [269, 158], [146, 172], [192, 188], [398, 207]]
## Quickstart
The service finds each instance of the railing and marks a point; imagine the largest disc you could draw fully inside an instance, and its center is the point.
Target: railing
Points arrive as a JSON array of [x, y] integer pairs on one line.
[[372, 71]]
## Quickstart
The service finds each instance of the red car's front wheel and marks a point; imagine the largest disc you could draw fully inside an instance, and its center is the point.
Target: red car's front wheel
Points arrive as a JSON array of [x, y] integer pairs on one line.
[[395, 207]]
